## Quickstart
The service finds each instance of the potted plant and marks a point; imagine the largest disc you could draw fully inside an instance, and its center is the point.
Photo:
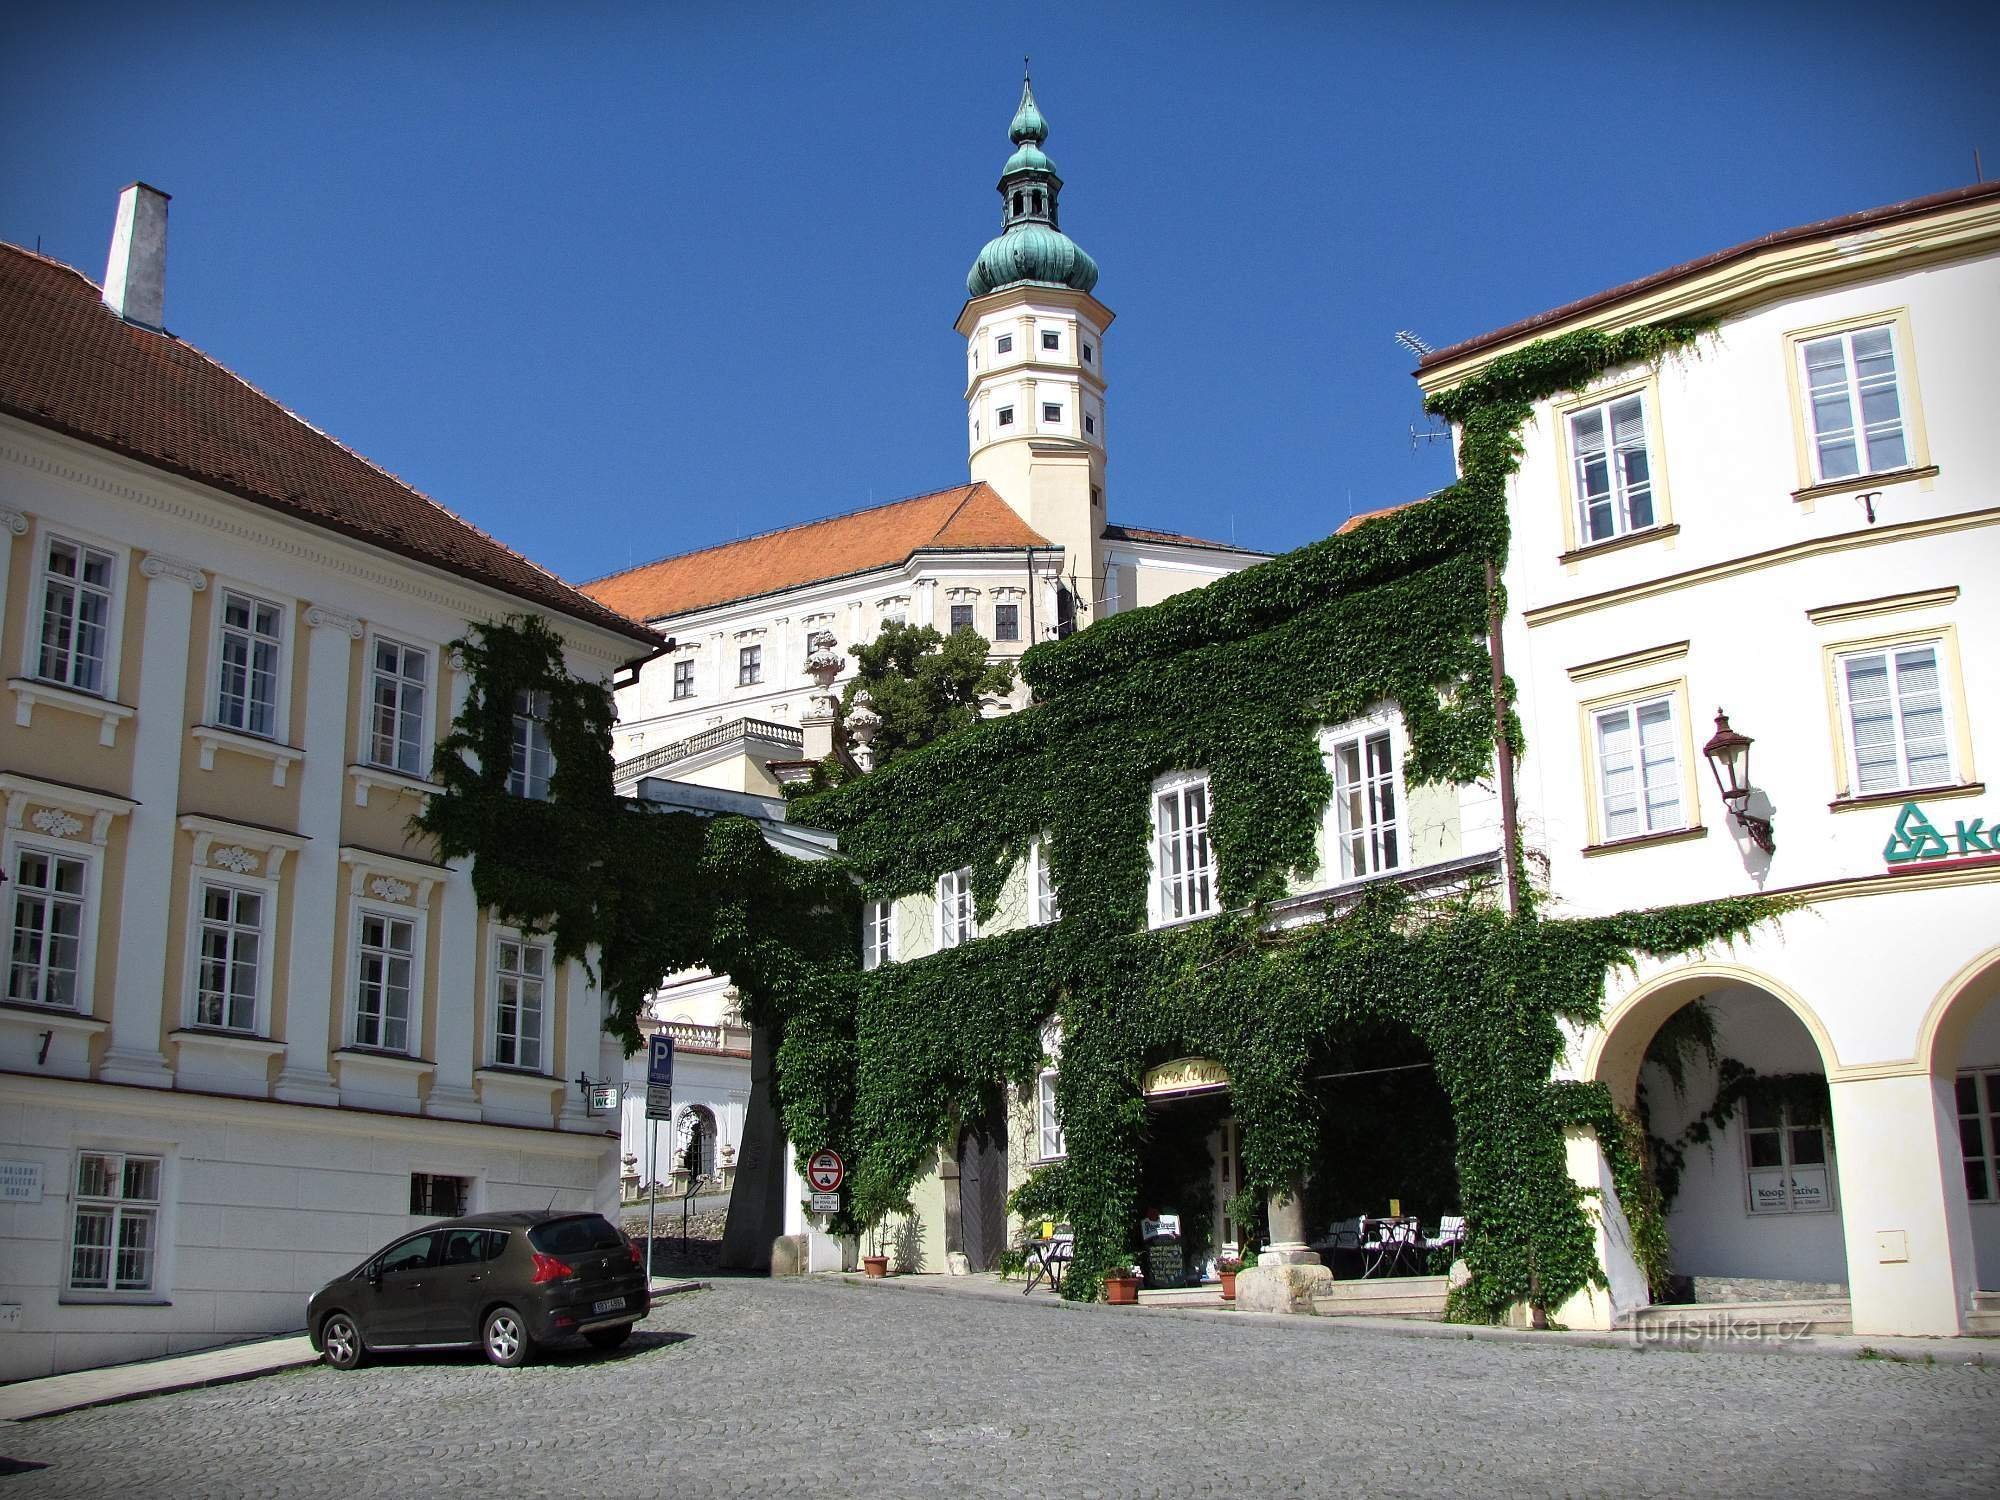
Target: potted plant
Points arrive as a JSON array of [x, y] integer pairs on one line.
[[876, 1262], [1226, 1266], [1121, 1286]]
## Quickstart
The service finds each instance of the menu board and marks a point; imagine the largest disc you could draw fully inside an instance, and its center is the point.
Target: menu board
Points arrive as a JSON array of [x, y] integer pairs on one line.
[[1164, 1266]]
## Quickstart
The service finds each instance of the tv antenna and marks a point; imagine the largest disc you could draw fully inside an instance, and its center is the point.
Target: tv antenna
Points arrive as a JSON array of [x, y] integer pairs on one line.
[[1412, 343]]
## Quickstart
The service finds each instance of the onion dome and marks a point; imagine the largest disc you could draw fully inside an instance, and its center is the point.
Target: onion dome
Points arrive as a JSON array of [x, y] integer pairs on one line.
[[1031, 246]]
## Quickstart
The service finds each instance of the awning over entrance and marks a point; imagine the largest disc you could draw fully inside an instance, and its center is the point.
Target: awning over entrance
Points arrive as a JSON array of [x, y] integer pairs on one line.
[[1184, 1075]]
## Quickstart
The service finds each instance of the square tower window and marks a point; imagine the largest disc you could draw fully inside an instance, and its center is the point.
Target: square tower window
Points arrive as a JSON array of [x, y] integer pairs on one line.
[[1051, 339], [1088, 352], [1051, 411], [1004, 417], [1004, 344], [1089, 424]]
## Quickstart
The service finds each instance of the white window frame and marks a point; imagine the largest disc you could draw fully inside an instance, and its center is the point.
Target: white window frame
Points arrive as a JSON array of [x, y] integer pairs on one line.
[[879, 930], [1985, 1123], [683, 680], [1866, 467], [1003, 343], [1051, 339], [522, 779], [1674, 695], [750, 665], [1376, 831], [152, 1210], [386, 911], [424, 716], [265, 890], [504, 938], [1003, 417], [281, 705], [956, 924], [31, 645], [93, 877], [1052, 406], [1186, 893], [1783, 1131], [1051, 1141], [1945, 658], [1044, 900], [1621, 494]]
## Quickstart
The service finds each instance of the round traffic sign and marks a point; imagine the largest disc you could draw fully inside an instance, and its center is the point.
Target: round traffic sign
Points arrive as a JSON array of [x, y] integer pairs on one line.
[[826, 1171]]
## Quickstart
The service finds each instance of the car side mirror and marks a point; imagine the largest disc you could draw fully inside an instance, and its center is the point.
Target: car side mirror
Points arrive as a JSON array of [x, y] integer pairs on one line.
[[374, 1275]]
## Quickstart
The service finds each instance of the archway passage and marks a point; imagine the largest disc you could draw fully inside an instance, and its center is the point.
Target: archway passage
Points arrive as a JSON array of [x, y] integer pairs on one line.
[[1387, 1151], [1731, 1088], [698, 1152], [1964, 1059]]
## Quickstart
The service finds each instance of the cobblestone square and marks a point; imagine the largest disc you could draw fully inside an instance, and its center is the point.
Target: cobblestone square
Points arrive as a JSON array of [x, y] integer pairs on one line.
[[819, 1387]]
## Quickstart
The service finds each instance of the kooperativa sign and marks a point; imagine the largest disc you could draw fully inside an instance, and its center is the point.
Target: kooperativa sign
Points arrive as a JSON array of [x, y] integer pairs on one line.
[[1916, 838]]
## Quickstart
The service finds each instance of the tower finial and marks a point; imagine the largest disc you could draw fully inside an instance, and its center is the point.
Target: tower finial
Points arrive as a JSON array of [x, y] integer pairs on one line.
[[1028, 124]]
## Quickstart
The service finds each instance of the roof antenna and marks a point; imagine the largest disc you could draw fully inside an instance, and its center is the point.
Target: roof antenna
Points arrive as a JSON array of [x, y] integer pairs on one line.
[[1412, 343], [1978, 175], [552, 1200]]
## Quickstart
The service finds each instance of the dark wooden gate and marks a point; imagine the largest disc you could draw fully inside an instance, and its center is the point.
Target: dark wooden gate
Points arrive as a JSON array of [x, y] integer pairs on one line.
[[982, 1191]]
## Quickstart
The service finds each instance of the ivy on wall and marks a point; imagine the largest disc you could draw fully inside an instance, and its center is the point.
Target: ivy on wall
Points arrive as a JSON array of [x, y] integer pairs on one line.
[[1236, 679]]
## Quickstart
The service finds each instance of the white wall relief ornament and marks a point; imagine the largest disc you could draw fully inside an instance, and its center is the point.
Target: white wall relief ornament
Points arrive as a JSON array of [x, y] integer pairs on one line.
[[235, 859], [56, 823], [389, 888]]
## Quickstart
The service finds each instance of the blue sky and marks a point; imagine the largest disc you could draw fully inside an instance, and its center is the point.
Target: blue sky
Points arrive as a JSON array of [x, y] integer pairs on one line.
[[620, 281]]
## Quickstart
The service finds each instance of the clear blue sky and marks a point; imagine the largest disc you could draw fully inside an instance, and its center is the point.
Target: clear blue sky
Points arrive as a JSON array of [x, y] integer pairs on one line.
[[621, 281]]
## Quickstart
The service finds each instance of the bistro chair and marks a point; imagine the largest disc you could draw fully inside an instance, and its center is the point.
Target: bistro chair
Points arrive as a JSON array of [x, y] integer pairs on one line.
[[1049, 1259], [1451, 1231]]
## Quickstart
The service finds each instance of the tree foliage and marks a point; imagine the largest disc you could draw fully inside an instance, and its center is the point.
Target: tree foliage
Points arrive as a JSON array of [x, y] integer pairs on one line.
[[923, 685]]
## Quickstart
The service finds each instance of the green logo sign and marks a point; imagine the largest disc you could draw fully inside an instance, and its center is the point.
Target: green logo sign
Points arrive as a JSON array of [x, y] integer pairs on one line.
[[1917, 838]]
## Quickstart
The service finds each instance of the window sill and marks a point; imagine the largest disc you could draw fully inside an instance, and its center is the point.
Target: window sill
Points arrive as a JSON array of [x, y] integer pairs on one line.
[[214, 737], [1943, 792], [1855, 484], [30, 694], [1646, 841], [112, 1299], [518, 1075], [226, 1041], [1658, 533], [61, 1017], [1163, 924], [395, 1062], [367, 779]]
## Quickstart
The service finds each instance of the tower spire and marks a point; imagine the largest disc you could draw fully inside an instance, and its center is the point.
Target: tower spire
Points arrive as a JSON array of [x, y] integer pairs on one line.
[[1031, 245]]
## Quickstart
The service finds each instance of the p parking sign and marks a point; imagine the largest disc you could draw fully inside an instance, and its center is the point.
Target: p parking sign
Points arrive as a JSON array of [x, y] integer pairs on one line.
[[660, 1078]]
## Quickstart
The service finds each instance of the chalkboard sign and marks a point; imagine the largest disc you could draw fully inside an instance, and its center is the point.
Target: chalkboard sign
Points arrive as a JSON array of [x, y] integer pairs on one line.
[[1163, 1263]]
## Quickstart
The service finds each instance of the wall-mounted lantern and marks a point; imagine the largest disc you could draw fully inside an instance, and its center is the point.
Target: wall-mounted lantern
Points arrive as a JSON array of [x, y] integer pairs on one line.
[[1729, 757]]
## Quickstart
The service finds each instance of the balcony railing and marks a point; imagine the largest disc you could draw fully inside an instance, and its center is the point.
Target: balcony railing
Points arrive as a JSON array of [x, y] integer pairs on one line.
[[763, 731], [724, 1038]]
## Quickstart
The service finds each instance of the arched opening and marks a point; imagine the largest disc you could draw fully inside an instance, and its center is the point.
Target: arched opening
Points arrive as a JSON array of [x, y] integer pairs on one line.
[[1017, 201], [698, 1142], [1962, 1048], [1728, 1080], [1038, 200]]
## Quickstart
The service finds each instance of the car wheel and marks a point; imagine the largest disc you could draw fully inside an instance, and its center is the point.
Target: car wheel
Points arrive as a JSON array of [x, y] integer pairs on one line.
[[608, 1338], [340, 1340], [505, 1338]]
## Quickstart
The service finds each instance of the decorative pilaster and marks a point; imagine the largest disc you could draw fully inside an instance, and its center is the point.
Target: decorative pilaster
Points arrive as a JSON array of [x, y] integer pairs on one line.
[[12, 524], [457, 999], [143, 989], [583, 1030], [311, 1006]]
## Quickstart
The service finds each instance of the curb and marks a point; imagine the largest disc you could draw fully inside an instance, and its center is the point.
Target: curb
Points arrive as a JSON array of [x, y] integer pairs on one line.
[[1966, 1350]]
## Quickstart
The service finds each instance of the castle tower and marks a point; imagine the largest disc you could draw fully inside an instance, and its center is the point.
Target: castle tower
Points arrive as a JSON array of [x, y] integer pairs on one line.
[[1034, 359]]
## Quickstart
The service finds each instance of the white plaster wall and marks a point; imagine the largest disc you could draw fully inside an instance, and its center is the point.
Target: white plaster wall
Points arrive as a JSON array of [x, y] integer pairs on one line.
[[262, 1204], [1711, 1227]]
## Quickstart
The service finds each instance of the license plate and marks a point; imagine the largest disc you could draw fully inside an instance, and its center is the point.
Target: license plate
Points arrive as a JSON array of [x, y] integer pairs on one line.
[[609, 1304]]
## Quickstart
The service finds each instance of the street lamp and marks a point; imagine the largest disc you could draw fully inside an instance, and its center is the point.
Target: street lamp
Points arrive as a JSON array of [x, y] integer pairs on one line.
[[1729, 757]]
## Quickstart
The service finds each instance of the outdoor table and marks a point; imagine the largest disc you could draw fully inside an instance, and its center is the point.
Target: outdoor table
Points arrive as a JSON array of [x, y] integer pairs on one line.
[[1394, 1244], [1047, 1260]]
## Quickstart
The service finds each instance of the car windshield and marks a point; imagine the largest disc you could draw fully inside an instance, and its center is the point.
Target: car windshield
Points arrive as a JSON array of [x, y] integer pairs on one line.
[[572, 1236]]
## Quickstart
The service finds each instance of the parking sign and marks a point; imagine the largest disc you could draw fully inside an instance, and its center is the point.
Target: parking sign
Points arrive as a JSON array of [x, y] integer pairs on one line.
[[660, 1078]]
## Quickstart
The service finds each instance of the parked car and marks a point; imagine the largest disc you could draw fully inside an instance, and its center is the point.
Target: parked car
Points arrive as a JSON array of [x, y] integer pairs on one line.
[[506, 1283]]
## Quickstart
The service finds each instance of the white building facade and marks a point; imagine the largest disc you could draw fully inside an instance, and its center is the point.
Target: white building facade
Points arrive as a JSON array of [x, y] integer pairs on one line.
[[252, 1027], [1797, 524]]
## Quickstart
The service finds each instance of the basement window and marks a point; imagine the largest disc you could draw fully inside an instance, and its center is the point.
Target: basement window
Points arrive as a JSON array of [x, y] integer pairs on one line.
[[438, 1197]]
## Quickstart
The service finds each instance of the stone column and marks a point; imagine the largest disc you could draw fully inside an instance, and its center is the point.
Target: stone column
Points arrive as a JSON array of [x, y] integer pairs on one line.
[[457, 1000], [309, 999], [1910, 1263], [144, 915], [1288, 1273]]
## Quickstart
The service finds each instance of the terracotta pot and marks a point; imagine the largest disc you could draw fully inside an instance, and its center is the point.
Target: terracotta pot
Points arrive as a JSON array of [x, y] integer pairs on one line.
[[1228, 1285], [1121, 1291], [875, 1265]]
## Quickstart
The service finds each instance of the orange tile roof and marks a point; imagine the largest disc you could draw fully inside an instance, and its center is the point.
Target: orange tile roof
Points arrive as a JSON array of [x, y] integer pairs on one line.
[[1354, 522], [70, 364], [971, 517]]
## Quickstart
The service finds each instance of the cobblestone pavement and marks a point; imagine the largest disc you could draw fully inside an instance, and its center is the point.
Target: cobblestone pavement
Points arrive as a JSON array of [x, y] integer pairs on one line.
[[830, 1388]]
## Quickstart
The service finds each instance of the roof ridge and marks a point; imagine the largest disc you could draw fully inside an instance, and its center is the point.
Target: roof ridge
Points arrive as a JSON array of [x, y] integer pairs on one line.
[[758, 536]]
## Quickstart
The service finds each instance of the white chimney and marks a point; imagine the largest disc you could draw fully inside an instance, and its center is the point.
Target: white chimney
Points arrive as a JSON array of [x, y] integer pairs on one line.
[[135, 278]]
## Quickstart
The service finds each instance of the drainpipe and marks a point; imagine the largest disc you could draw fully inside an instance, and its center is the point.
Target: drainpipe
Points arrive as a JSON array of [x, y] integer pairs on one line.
[[1032, 637], [1503, 749]]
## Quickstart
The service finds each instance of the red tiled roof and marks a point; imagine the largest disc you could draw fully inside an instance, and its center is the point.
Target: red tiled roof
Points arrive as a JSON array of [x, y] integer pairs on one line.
[[1846, 224], [1116, 533], [1354, 522], [971, 517], [70, 364]]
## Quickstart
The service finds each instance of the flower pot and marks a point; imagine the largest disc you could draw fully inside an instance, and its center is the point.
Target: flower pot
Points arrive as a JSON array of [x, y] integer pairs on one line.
[[875, 1265], [1121, 1291], [1228, 1285]]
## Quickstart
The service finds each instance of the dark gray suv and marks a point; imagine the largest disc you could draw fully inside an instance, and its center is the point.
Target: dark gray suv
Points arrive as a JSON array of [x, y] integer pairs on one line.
[[506, 1282]]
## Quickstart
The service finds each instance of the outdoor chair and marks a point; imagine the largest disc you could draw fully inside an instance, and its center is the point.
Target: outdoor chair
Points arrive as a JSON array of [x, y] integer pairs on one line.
[[1049, 1259], [1450, 1231]]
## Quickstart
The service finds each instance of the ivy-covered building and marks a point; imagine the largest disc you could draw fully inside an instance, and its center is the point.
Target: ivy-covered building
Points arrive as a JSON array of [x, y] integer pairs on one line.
[[1783, 533]]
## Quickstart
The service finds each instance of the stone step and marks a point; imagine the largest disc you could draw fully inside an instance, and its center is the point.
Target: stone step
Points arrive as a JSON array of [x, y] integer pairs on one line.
[[1719, 1289], [1385, 1297], [1829, 1315], [1986, 1301], [1182, 1296]]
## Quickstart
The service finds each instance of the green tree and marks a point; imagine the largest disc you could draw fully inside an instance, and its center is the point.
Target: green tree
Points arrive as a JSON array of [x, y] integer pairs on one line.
[[922, 685]]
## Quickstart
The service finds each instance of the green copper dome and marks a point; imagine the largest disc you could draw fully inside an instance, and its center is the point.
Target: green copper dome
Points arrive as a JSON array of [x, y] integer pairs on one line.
[[1031, 246]]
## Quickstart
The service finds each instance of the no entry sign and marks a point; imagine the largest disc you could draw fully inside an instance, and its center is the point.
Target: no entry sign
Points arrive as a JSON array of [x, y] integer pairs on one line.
[[826, 1171]]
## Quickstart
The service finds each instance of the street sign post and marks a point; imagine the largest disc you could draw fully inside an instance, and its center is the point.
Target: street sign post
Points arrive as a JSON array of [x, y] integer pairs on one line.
[[826, 1203], [659, 1106]]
